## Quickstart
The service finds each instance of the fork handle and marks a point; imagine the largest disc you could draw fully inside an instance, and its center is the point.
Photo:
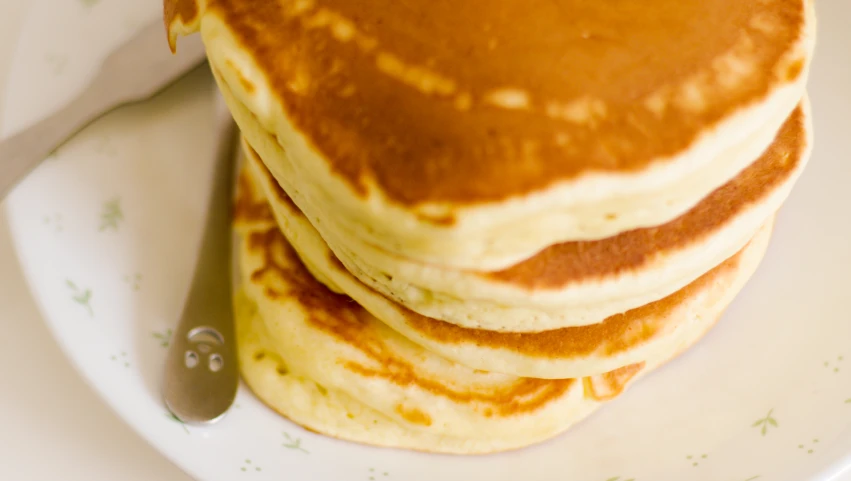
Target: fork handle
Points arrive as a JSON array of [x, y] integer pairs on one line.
[[21, 153]]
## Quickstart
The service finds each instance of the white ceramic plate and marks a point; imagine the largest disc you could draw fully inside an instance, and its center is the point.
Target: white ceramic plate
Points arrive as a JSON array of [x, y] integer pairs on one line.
[[107, 228]]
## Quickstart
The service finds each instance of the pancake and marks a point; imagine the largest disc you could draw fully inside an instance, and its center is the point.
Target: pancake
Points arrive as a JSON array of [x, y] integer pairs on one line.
[[323, 361], [580, 283], [473, 138], [649, 334]]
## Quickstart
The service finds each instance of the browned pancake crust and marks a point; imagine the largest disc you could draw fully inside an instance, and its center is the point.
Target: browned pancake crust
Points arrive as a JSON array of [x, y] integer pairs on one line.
[[282, 275], [613, 335], [562, 264], [182, 11], [341, 317], [610, 385], [421, 97], [249, 207]]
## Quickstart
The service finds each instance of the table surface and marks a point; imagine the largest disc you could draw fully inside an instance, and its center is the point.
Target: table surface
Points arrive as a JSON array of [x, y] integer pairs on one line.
[[53, 425]]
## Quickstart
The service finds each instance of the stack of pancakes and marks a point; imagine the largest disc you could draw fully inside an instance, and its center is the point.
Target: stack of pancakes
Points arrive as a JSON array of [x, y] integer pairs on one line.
[[465, 226]]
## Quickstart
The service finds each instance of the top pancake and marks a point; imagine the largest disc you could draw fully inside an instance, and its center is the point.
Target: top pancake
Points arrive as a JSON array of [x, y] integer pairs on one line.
[[449, 101], [433, 129]]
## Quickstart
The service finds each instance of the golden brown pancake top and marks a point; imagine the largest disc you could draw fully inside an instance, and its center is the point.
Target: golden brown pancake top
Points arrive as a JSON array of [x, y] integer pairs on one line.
[[471, 102], [561, 264]]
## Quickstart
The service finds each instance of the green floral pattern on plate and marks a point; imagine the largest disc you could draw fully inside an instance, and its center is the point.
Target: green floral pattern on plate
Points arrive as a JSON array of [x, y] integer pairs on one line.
[[765, 422], [163, 337], [120, 359], [111, 215], [248, 465], [135, 281], [834, 366], [293, 443], [695, 460], [373, 474], [81, 296], [809, 447], [54, 221]]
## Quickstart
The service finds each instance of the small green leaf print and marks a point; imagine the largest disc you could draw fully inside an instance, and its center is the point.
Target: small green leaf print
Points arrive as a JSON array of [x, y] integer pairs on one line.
[[809, 448], [135, 281], [111, 215], [82, 297], [695, 461], [120, 359], [178, 421], [765, 422], [163, 337], [373, 474], [54, 221], [833, 366], [293, 443], [89, 3], [248, 466], [848, 401]]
